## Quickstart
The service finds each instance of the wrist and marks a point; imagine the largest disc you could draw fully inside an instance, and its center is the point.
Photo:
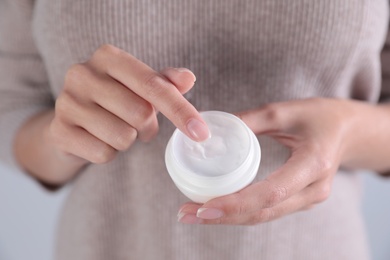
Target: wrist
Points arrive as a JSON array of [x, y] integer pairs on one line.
[[365, 136], [37, 155]]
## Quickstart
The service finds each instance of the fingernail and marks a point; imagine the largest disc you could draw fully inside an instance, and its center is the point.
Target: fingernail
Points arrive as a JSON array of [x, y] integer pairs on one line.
[[198, 130], [208, 213], [180, 215], [188, 218], [185, 70]]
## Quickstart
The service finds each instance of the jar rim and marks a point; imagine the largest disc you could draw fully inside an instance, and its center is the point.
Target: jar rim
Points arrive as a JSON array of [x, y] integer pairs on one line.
[[212, 185]]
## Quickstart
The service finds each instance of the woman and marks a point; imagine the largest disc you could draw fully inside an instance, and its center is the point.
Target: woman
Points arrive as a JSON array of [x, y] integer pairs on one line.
[[303, 75]]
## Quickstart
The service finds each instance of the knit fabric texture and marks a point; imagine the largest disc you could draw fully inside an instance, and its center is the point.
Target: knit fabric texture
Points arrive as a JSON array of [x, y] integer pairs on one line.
[[244, 54]]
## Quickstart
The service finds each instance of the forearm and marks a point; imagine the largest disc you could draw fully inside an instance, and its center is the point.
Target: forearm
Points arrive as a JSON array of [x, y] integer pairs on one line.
[[367, 137], [39, 157]]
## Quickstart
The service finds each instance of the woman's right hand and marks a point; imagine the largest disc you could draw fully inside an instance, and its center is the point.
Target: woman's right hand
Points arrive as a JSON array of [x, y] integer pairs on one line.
[[112, 99]]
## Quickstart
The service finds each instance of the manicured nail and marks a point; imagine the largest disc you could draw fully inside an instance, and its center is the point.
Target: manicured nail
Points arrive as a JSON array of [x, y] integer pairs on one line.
[[188, 218], [185, 70], [180, 215], [198, 130], [208, 213]]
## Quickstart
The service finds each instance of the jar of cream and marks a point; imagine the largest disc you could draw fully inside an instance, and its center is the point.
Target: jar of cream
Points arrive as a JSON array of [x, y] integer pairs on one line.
[[223, 164]]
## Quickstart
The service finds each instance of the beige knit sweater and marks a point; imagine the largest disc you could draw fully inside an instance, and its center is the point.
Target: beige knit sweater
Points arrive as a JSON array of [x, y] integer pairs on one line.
[[245, 53]]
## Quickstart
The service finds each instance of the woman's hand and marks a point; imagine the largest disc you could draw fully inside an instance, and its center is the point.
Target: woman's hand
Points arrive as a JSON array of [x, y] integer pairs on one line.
[[106, 103], [322, 134], [112, 99]]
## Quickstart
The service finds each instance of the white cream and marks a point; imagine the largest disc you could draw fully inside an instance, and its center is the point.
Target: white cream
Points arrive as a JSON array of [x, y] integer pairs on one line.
[[223, 152]]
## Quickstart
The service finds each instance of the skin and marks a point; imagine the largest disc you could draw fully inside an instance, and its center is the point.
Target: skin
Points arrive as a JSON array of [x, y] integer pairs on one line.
[[106, 103], [112, 99], [322, 134]]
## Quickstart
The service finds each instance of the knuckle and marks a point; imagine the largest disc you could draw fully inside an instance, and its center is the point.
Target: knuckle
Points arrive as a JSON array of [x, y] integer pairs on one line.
[[67, 107], [261, 216], [145, 113], [155, 85], [325, 164], [323, 193], [63, 104], [144, 120], [106, 50], [239, 207], [322, 163], [126, 138], [273, 113], [151, 132], [276, 195], [322, 166], [103, 155], [75, 74], [55, 132], [154, 130], [179, 108]]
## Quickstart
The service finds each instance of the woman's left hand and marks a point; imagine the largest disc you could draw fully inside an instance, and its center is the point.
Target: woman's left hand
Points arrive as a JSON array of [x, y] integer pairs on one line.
[[318, 132]]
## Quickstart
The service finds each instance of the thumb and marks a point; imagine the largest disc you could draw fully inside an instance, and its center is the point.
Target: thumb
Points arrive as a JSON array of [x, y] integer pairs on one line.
[[182, 78], [267, 119]]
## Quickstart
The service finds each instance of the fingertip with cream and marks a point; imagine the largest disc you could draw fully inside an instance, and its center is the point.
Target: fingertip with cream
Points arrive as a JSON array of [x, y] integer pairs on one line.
[[198, 130]]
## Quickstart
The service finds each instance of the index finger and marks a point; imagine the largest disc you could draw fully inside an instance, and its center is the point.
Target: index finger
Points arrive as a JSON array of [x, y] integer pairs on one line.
[[154, 88]]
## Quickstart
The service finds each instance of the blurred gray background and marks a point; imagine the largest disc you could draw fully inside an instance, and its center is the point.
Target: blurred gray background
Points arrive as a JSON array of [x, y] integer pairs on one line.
[[28, 217]]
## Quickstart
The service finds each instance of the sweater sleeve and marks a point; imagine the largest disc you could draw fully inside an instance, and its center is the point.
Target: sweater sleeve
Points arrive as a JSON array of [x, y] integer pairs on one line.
[[24, 88], [385, 62], [385, 91]]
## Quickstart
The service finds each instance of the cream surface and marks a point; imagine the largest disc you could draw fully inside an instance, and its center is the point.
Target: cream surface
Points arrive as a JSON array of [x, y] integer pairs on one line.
[[223, 152]]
